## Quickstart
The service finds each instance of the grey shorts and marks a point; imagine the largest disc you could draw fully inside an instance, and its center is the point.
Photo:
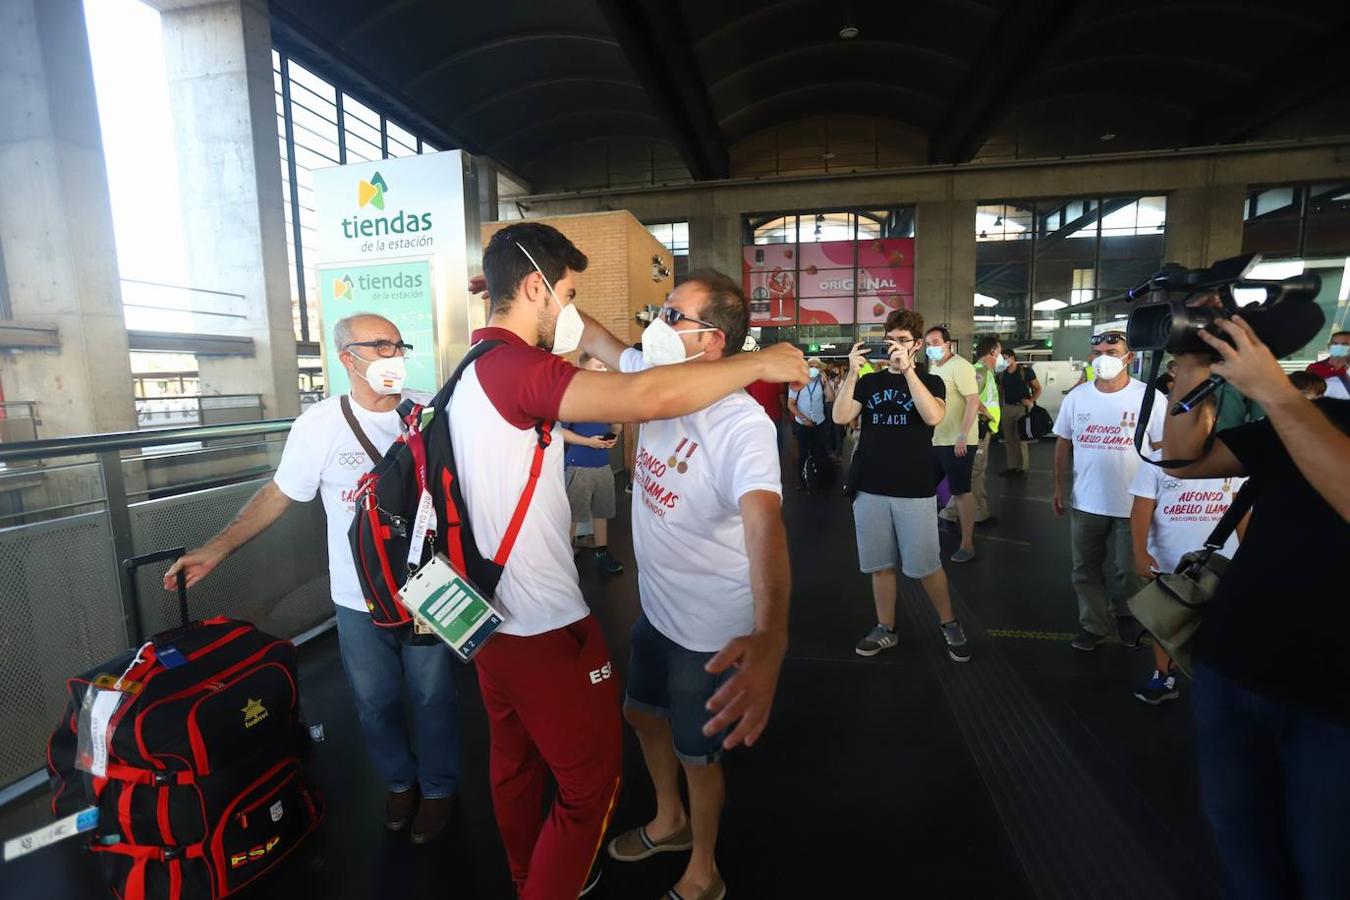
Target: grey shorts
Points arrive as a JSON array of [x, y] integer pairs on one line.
[[590, 491], [897, 531]]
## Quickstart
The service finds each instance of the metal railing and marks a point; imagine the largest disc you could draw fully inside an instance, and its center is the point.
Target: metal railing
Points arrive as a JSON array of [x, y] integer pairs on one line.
[[72, 508], [197, 410]]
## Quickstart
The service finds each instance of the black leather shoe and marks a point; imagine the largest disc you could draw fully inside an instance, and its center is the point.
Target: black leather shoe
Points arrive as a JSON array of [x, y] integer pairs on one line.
[[399, 808], [432, 817]]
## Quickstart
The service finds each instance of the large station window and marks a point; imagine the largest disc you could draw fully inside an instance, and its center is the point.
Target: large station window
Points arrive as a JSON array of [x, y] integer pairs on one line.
[[1303, 228], [320, 125], [675, 237], [1045, 264], [826, 278]]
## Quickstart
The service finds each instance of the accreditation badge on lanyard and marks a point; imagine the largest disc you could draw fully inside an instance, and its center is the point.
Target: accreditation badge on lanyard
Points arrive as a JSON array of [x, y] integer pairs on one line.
[[449, 606]]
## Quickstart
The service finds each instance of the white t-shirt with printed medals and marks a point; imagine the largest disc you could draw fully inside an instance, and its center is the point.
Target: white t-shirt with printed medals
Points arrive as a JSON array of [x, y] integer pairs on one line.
[[1101, 427], [688, 535], [1186, 513], [322, 456]]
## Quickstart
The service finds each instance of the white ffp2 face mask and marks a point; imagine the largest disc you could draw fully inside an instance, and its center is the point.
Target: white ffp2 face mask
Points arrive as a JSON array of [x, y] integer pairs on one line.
[[568, 327], [1109, 367], [662, 345], [386, 376]]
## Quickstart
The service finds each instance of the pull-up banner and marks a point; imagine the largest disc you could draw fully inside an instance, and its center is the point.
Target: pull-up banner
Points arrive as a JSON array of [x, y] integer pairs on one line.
[[400, 237]]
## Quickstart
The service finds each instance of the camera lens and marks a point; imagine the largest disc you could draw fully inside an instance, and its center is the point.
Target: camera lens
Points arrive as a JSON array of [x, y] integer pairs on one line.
[[1149, 326]]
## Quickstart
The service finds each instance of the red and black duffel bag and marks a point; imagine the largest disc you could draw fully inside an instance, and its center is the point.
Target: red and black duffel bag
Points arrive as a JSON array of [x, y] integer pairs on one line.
[[204, 788]]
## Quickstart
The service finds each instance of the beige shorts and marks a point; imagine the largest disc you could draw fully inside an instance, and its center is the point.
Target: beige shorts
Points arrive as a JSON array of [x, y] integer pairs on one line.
[[590, 492]]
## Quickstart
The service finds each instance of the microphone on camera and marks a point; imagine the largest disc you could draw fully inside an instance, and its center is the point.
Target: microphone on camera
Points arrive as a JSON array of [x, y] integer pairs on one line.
[[1197, 395]]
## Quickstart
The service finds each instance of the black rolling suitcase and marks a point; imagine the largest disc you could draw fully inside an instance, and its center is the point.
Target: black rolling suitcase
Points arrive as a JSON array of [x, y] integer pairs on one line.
[[202, 787]]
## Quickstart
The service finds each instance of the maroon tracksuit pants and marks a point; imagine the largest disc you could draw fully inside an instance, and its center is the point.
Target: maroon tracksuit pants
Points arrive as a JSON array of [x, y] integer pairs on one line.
[[553, 706]]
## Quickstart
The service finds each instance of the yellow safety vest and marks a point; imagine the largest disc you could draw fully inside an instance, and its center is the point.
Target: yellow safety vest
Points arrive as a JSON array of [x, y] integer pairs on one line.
[[989, 395]]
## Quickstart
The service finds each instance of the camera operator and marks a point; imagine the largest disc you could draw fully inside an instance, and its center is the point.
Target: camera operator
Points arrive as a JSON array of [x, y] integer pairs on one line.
[[1271, 695]]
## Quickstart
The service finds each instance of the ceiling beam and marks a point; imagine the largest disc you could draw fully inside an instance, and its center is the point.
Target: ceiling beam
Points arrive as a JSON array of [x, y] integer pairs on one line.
[[656, 43], [1024, 34], [1306, 73]]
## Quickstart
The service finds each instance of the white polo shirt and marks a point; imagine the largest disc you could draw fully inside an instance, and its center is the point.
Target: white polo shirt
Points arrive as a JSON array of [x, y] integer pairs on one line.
[[323, 456], [492, 426], [688, 535]]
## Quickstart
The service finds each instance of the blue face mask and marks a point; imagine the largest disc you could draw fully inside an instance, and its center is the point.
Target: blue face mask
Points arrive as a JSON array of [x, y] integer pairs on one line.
[[815, 373], [935, 353], [1339, 351]]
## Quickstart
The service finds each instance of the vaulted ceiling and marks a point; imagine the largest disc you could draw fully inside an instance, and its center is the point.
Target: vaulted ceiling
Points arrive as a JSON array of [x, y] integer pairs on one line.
[[673, 90]]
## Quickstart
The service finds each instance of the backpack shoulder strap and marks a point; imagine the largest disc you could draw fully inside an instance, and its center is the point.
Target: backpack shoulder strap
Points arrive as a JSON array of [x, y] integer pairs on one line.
[[365, 442], [442, 398], [544, 437]]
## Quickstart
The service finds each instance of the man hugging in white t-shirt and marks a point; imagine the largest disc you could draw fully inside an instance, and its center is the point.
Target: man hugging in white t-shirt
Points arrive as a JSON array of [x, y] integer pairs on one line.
[[714, 579]]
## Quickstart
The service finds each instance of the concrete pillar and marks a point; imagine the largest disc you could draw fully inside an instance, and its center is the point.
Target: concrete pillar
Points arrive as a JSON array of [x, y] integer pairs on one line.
[[944, 267], [218, 58], [1204, 224], [56, 225]]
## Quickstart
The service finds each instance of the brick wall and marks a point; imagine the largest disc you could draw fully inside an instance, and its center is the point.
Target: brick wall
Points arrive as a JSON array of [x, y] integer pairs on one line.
[[618, 282]]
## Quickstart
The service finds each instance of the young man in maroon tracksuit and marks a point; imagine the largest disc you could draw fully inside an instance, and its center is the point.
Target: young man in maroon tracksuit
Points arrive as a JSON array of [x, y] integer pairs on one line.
[[546, 678]]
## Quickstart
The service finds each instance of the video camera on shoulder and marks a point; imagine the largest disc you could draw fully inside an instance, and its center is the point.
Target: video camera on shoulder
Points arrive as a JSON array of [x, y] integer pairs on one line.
[[1286, 320]]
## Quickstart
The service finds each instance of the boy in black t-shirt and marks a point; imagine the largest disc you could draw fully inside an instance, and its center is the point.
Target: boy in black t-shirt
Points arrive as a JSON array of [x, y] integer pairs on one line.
[[895, 511]]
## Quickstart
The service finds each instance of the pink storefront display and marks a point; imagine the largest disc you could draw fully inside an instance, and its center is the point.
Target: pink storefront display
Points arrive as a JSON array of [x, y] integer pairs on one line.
[[833, 283], [769, 278]]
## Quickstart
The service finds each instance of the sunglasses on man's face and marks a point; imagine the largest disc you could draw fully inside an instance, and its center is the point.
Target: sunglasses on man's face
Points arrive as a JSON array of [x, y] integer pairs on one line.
[[1111, 338], [673, 317]]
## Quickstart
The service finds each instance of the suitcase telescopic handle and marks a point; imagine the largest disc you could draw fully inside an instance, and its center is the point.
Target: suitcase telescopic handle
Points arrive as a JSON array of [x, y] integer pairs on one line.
[[132, 563]]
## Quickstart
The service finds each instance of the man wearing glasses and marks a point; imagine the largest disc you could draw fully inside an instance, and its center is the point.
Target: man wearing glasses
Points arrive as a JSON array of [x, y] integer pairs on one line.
[[329, 448], [548, 684], [1095, 428], [895, 507], [713, 577]]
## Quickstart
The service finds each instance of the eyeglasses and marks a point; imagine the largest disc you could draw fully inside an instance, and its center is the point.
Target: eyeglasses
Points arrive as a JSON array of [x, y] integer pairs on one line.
[[673, 316], [903, 342], [1111, 338], [384, 349]]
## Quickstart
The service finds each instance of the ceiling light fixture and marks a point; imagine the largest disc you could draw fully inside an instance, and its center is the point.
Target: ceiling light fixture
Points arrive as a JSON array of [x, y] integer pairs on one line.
[[849, 32], [1109, 136]]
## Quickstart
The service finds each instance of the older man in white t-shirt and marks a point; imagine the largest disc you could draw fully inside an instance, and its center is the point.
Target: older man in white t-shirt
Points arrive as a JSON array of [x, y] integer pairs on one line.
[[1095, 427], [714, 580], [325, 455]]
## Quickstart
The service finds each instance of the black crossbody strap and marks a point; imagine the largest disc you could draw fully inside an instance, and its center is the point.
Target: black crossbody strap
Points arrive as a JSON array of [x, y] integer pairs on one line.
[[1146, 414], [1229, 523], [366, 445]]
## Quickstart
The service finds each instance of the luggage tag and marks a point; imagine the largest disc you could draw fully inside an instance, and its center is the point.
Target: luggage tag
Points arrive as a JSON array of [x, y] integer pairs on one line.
[[94, 729], [71, 825], [450, 606], [94, 734]]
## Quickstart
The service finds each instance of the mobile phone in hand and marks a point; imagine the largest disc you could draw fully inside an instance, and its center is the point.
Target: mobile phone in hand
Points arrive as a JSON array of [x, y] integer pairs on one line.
[[609, 436]]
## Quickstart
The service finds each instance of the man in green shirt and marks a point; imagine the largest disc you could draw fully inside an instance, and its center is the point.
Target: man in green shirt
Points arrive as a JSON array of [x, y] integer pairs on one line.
[[956, 437]]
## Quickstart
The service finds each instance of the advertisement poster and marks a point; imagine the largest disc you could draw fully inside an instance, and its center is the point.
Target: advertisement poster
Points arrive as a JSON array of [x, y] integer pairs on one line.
[[833, 283], [769, 279], [827, 283], [399, 291], [392, 216]]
